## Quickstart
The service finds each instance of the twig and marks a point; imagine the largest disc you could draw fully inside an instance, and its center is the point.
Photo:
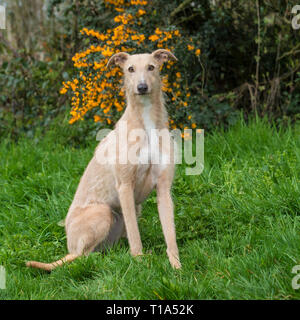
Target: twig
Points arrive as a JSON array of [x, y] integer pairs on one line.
[[8, 46], [185, 19], [258, 54], [180, 8], [291, 52]]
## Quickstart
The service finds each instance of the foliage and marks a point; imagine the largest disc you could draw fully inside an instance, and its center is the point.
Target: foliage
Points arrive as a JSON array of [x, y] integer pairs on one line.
[[28, 97], [250, 53]]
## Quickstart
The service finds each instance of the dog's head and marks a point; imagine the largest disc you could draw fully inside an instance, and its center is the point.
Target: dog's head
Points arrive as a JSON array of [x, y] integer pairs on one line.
[[141, 71]]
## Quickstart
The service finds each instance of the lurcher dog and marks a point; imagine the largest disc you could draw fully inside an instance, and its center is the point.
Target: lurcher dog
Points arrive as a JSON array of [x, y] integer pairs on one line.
[[109, 196]]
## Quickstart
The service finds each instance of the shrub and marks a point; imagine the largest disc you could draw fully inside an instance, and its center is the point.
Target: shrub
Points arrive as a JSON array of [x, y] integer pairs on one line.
[[30, 93]]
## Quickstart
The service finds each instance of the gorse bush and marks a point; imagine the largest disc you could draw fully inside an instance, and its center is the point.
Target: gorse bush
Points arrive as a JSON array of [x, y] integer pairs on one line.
[[98, 88]]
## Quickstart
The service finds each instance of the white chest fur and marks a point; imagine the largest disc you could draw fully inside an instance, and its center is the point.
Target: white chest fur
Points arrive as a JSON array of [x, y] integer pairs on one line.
[[149, 123], [152, 151]]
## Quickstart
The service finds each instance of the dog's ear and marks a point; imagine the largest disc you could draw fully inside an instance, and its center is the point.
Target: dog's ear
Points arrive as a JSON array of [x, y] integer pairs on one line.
[[118, 59], [163, 55]]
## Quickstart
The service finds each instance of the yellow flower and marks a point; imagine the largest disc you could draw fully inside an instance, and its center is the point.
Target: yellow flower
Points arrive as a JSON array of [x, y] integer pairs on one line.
[[154, 37], [190, 48], [97, 118], [141, 12], [157, 31], [118, 18], [197, 52], [142, 38], [63, 91]]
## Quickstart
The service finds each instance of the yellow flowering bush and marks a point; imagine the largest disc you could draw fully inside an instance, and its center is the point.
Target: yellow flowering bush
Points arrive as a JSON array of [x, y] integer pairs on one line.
[[98, 90]]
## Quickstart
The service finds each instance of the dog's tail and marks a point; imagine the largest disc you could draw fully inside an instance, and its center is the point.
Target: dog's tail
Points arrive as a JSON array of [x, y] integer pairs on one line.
[[50, 266]]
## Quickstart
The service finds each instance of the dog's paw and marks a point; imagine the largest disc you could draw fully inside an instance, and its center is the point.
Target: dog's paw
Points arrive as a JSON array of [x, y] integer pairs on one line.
[[174, 260], [136, 250], [175, 264], [137, 254]]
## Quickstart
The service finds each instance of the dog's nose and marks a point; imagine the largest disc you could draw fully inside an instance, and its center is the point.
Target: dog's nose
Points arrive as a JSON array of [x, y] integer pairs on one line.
[[142, 88]]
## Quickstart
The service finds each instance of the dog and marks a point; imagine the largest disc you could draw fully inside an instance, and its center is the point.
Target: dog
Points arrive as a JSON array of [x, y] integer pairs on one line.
[[108, 199]]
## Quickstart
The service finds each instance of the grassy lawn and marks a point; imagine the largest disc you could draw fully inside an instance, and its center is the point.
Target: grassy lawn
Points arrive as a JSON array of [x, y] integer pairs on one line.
[[238, 223]]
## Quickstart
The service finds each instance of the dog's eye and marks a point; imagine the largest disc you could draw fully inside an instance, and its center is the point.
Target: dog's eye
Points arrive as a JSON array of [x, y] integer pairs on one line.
[[150, 67], [130, 69]]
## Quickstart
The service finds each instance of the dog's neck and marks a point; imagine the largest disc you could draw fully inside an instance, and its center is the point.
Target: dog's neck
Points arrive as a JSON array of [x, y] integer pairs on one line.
[[147, 109]]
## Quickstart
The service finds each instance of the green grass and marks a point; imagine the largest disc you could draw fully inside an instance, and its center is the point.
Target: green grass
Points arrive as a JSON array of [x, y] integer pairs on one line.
[[238, 223]]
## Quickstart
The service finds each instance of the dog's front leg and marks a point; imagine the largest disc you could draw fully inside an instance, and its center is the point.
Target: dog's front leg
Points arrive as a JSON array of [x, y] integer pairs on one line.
[[166, 215], [126, 197]]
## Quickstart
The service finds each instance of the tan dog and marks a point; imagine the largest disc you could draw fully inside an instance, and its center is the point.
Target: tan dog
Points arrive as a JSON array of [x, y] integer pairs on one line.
[[108, 197]]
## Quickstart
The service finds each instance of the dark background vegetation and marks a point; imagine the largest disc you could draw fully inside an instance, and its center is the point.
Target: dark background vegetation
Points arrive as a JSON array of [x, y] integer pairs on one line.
[[249, 59]]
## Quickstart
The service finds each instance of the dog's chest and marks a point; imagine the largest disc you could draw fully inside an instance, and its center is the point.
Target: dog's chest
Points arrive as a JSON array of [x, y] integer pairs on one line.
[[150, 148], [151, 157], [148, 120], [151, 151]]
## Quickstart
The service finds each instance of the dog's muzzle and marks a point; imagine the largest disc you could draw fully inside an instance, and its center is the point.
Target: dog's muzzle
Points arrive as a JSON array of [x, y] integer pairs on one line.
[[142, 88]]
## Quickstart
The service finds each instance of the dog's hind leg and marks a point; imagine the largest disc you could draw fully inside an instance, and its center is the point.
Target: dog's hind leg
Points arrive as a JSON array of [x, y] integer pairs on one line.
[[86, 228], [118, 229], [116, 232]]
